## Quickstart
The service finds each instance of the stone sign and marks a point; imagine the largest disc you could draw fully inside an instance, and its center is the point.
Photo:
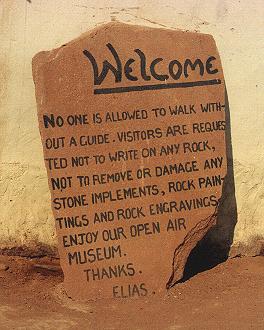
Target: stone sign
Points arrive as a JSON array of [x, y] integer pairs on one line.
[[132, 121]]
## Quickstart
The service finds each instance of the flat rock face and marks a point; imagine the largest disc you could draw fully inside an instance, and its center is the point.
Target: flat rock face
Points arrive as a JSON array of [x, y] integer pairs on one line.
[[132, 121]]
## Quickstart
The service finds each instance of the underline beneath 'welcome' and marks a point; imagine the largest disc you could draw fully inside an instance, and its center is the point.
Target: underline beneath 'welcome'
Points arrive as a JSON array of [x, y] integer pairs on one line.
[[142, 88]]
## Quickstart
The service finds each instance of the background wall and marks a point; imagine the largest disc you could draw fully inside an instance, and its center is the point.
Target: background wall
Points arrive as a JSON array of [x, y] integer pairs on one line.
[[29, 26]]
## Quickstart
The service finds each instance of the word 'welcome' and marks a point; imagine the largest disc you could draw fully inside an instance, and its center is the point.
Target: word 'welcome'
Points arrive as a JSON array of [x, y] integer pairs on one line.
[[175, 70]]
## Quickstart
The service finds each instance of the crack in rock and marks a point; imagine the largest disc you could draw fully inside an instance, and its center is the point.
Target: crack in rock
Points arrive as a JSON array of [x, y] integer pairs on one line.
[[182, 252]]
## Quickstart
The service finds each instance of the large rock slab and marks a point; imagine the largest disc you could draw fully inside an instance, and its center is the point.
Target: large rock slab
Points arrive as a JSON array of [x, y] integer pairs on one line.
[[132, 122]]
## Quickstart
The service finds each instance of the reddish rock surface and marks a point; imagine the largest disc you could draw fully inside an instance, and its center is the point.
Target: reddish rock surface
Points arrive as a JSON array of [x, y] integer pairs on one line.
[[129, 234]]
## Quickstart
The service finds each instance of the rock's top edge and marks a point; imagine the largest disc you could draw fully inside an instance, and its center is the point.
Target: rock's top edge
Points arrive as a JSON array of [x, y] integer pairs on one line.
[[46, 56]]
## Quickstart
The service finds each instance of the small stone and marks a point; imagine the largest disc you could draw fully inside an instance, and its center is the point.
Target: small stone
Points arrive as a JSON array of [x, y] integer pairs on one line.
[[3, 267], [52, 268]]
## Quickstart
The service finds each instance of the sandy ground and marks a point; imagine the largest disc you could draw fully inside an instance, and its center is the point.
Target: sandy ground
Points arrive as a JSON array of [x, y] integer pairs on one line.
[[229, 296]]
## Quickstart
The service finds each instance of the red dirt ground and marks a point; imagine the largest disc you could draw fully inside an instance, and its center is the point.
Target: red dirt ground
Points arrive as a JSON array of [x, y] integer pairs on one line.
[[229, 296]]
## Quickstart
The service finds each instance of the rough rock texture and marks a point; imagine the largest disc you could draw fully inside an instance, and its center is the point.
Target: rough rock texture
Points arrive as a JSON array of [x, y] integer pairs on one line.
[[183, 250]]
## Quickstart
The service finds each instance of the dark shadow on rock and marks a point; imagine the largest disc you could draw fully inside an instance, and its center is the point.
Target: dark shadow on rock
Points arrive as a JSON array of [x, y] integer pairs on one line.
[[215, 246]]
